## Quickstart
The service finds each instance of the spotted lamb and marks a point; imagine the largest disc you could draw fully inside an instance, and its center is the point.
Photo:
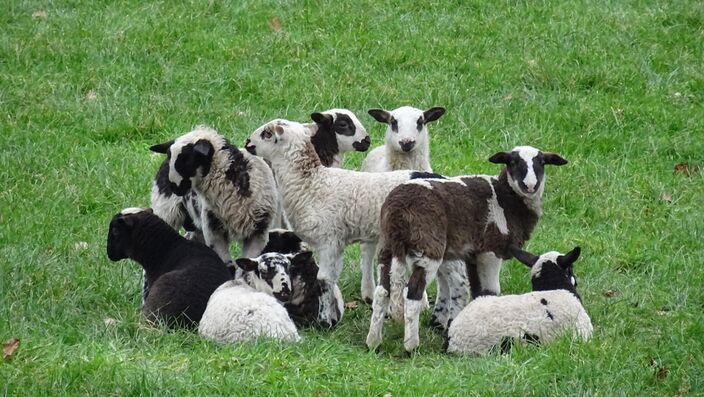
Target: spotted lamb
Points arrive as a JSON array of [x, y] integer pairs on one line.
[[553, 308], [427, 222]]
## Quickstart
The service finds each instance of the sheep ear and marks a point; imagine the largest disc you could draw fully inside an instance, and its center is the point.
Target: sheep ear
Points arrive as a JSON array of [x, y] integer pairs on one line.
[[433, 114], [303, 261], [553, 159], [565, 261], [247, 264], [321, 118], [203, 148], [524, 257], [380, 115], [500, 158], [278, 130], [162, 148]]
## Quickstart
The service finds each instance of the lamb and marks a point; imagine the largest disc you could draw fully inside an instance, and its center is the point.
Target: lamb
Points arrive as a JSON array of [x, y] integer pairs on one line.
[[244, 309], [553, 308], [236, 191], [427, 222], [180, 274], [314, 301], [334, 133], [328, 208], [407, 147]]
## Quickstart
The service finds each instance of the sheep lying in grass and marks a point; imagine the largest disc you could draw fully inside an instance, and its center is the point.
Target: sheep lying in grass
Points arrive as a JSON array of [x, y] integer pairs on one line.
[[328, 208], [243, 310], [314, 302], [427, 222], [334, 133], [235, 190], [407, 147], [553, 308], [180, 274]]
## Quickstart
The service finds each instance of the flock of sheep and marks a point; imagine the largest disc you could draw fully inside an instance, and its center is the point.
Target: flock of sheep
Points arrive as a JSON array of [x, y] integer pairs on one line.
[[420, 225]]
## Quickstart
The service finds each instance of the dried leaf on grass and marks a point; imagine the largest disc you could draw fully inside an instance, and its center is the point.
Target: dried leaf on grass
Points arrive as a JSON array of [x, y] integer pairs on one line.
[[10, 347], [609, 293], [39, 14], [685, 169], [275, 24], [666, 197], [351, 305], [92, 95]]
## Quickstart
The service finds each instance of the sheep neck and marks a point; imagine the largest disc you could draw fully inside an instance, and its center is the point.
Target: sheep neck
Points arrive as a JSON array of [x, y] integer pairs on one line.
[[152, 239], [418, 159]]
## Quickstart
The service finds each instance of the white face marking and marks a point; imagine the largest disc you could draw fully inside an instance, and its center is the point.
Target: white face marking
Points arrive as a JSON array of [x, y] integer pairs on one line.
[[546, 257], [131, 210], [527, 154], [407, 120]]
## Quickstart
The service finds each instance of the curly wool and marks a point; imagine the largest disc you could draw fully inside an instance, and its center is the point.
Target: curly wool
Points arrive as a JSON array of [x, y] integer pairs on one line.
[[542, 314], [238, 313]]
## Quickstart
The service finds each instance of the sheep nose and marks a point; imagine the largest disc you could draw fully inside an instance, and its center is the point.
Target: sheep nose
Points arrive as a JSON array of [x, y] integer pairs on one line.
[[530, 188], [363, 145], [284, 295], [407, 145]]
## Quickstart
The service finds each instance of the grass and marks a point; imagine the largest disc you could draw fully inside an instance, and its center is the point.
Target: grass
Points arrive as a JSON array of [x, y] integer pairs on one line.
[[616, 87]]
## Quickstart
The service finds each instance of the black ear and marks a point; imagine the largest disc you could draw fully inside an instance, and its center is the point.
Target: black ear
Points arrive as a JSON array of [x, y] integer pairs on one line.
[[553, 159], [433, 114], [303, 262], [380, 115], [524, 257], [569, 258], [162, 147], [247, 264], [500, 158], [204, 148], [321, 118]]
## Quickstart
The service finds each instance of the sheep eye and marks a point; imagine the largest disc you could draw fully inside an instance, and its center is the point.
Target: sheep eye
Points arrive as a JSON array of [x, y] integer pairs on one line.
[[266, 134]]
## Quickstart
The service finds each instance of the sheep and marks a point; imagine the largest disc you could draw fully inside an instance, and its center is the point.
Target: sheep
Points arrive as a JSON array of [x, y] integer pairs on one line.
[[407, 147], [539, 316], [236, 191], [180, 274], [244, 309], [429, 221], [334, 133], [328, 208]]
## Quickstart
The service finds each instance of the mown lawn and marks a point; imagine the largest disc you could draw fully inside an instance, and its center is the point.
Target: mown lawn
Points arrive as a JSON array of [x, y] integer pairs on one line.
[[616, 87]]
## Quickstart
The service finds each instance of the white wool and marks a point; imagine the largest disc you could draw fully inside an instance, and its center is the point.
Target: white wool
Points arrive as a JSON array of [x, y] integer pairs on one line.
[[238, 313], [239, 214], [327, 207], [488, 319]]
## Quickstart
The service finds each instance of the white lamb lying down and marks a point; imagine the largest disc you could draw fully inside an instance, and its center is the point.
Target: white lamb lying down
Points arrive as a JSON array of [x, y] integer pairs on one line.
[[244, 309], [237, 313], [553, 308]]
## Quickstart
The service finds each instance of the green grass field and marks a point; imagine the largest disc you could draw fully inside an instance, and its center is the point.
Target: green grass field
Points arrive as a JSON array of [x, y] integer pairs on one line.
[[616, 87]]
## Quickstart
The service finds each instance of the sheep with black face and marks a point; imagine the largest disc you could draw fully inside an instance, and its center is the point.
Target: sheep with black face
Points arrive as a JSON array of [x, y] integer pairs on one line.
[[180, 274], [553, 308], [427, 222], [235, 191]]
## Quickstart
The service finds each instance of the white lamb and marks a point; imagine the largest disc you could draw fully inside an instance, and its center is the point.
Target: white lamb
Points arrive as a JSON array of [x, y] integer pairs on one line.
[[553, 308], [328, 208]]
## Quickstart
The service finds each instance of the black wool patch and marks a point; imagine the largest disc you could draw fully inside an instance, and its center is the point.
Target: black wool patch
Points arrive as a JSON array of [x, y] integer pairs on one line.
[[325, 143], [426, 175], [531, 339], [237, 172], [543, 301], [550, 316], [162, 179], [344, 125]]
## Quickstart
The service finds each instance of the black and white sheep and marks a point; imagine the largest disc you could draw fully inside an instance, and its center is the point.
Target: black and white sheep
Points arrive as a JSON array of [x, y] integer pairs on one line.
[[553, 308], [328, 208], [427, 222], [236, 191], [407, 146], [252, 307], [180, 274], [334, 133]]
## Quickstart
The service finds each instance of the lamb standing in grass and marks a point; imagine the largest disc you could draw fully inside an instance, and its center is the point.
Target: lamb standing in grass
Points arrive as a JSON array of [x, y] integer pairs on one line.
[[553, 308], [180, 274], [427, 222], [334, 133], [243, 310], [328, 208], [236, 191], [407, 146]]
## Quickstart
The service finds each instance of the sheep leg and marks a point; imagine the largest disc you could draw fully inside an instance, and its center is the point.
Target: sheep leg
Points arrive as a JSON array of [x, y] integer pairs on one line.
[[441, 309], [367, 267], [330, 262], [485, 274], [456, 278], [423, 273], [379, 306], [216, 239]]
